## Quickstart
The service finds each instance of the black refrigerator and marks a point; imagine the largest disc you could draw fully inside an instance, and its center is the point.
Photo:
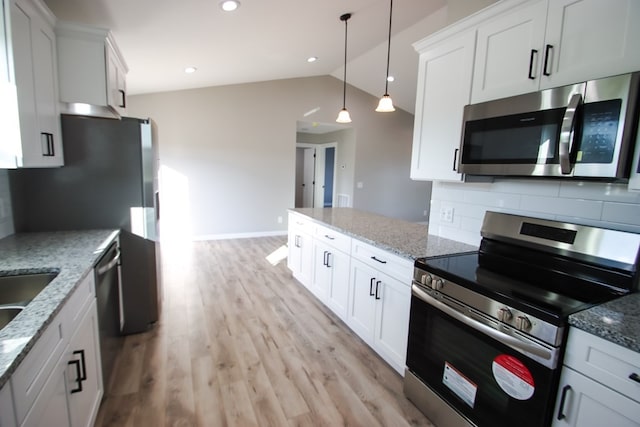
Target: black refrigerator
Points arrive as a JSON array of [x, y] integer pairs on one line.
[[109, 180]]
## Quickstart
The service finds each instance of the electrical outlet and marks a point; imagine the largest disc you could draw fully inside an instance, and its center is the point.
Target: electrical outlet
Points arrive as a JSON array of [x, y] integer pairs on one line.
[[424, 213], [446, 214], [279, 220]]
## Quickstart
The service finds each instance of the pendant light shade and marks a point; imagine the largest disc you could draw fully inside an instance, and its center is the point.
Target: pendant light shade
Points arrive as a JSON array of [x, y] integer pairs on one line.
[[386, 104], [343, 115]]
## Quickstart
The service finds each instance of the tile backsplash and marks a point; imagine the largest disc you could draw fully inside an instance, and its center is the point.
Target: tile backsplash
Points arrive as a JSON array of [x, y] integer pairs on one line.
[[6, 216], [457, 209]]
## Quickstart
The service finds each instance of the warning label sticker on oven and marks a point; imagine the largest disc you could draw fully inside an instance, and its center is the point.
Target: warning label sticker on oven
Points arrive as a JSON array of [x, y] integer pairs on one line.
[[513, 377], [459, 384]]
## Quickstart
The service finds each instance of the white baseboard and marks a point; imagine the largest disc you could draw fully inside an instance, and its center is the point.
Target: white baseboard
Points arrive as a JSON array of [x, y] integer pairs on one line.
[[239, 235]]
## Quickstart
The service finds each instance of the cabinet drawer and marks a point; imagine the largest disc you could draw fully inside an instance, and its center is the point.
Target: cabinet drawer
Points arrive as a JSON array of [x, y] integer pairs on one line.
[[339, 241], [604, 361], [74, 308], [384, 261], [32, 374], [300, 223]]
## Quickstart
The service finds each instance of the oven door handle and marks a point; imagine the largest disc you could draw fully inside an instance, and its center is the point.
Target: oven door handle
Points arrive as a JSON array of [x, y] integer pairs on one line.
[[502, 337]]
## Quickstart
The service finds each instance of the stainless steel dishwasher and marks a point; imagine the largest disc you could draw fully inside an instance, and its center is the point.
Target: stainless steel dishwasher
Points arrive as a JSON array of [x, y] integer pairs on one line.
[[108, 291]]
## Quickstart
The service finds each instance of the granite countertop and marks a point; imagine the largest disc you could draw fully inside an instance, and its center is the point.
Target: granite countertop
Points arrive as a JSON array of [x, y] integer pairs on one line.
[[407, 239], [617, 321], [72, 254]]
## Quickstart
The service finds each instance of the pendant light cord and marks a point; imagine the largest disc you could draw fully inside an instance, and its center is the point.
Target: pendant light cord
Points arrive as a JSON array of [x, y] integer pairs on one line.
[[386, 84], [345, 18]]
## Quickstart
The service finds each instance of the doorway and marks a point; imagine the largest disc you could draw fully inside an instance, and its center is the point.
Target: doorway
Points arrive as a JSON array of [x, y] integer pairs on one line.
[[315, 175]]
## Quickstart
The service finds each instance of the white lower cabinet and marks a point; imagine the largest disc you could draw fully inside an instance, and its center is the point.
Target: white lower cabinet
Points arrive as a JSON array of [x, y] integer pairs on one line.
[[587, 403], [367, 287], [83, 373], [300, 247], [379, 312], [7, 414], [59, 383], [50, 407], [330, 281], [600, 384]]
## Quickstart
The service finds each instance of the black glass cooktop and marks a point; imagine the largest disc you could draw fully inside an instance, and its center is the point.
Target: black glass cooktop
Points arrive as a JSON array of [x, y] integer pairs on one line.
[[543, 291]]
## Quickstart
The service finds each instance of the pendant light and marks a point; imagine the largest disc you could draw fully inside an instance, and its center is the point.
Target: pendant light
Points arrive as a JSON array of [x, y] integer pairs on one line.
[[386, 104], [343, 115]]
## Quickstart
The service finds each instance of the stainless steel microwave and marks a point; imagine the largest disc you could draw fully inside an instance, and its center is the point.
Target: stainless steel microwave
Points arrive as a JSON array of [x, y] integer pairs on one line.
[[584, 130]]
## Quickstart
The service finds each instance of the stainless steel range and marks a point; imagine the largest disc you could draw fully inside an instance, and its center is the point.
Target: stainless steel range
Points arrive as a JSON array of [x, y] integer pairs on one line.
[[487, 329]]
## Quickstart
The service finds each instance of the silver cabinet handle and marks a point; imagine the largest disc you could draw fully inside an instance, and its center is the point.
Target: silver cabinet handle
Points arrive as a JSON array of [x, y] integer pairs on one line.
[[567, 133]]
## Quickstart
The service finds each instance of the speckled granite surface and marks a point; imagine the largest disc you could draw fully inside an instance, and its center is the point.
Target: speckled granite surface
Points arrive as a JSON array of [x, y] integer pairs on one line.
[[72, 255], [617, 321], [407, 239]]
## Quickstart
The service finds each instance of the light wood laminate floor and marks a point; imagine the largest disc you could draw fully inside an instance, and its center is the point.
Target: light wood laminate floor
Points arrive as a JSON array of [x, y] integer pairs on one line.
[[242, 343]]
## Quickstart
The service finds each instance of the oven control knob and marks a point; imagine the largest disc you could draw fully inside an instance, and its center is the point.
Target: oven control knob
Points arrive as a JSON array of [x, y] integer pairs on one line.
[[504, 314], [426, 279], [437, 284], [523, 323]]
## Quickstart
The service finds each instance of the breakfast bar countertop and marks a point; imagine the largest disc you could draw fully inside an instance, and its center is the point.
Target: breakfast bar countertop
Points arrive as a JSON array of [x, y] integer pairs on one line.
[[70, 254], [407, 239]]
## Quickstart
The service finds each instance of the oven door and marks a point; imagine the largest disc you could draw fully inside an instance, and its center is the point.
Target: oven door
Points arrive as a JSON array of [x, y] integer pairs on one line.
[[487, 381]]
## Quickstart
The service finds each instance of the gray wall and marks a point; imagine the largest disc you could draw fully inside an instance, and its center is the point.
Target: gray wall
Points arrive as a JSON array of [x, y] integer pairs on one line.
[[233, 150]]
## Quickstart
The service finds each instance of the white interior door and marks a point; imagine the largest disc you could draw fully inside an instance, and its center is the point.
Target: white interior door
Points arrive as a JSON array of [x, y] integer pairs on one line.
[[308, 177]]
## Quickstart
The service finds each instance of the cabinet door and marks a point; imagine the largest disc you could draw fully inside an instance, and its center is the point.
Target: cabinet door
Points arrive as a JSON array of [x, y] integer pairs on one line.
[[392, 321], [46, 90], [362, 303], [444, 88], [338, 291], [116, 82], [83, 357], [590, 39], [34, 54], [509, 53], [321, 272], [588, 403], [11, 146], [301, 250], [50, 408], [7, 414]]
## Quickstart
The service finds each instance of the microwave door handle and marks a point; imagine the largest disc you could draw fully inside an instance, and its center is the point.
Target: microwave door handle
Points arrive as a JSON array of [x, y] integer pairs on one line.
[[567, 133]]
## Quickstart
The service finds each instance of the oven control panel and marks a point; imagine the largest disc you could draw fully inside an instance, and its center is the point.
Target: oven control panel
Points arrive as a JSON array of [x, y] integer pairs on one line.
[[507, 315]]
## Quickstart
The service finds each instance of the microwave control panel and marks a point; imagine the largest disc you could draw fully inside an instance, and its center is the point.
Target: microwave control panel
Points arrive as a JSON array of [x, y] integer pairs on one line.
[[599, 131]]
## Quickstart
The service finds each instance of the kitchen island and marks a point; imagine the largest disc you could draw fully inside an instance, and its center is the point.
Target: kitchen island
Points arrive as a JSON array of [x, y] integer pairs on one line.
[[360, 265], [407, 239], [70, 254]]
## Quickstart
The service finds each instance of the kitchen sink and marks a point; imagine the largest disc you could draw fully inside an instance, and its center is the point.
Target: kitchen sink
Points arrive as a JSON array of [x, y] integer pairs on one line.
[[7, 314], [18, 290], [22, 288]]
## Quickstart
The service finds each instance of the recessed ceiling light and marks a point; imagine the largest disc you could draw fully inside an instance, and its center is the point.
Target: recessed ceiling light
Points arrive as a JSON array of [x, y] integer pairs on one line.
[[312, 59], [390, 78], [229, 5], [190, 70]]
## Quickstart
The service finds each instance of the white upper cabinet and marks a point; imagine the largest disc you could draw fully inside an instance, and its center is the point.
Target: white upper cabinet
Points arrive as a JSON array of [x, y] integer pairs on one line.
[[543, 44], [444, 88], [591, 39], [92, 71], [34, 61]]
